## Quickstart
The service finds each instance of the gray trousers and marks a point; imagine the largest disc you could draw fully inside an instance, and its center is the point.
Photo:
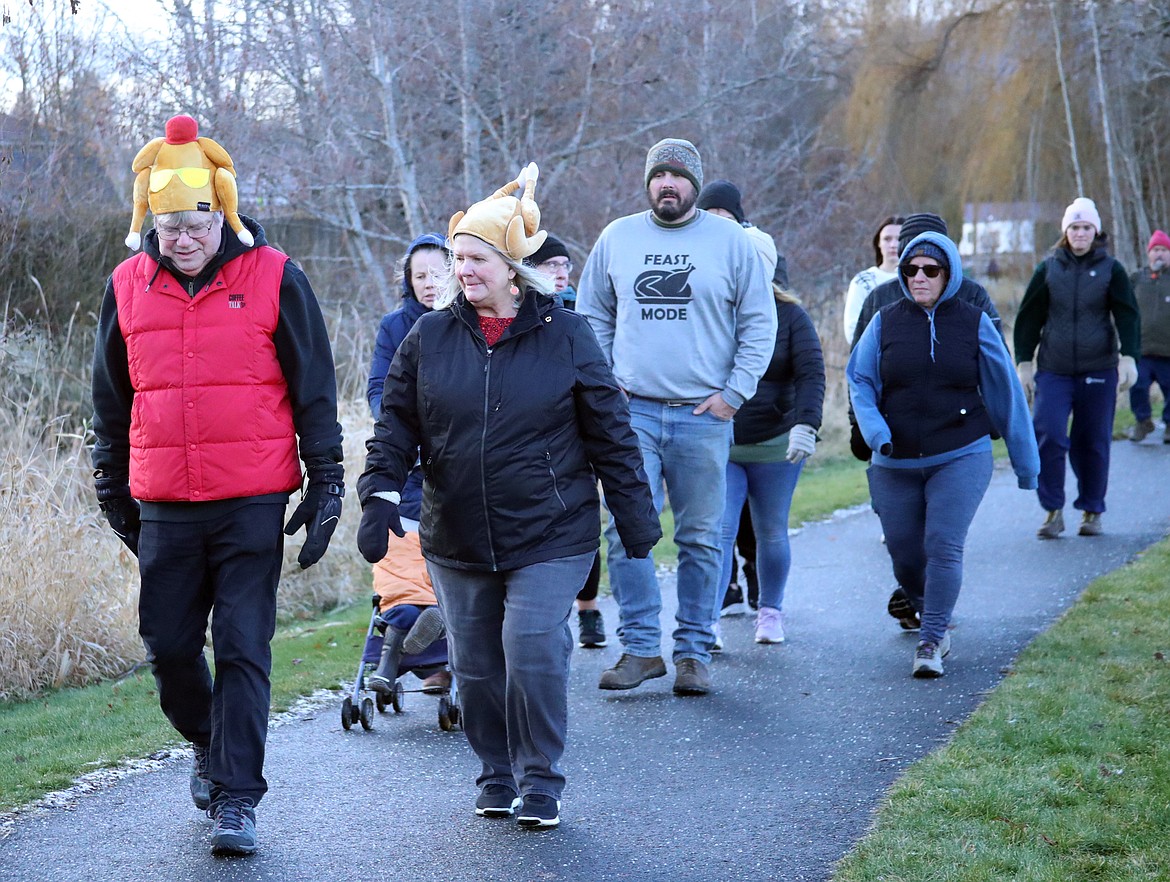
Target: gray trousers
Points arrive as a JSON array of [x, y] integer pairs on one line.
[[509, 641]]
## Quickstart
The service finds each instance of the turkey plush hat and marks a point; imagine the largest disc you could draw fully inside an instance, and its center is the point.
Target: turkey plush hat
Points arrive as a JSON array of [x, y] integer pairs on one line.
[[510, 225], [183, 172]]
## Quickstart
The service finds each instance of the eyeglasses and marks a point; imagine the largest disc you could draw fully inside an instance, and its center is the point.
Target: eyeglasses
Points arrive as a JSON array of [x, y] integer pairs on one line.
[[195, 178], [910, 270], [556, 265], [195, 231]]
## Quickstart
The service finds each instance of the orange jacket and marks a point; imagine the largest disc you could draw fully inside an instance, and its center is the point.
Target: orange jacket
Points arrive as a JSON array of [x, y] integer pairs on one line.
[[401, 576]]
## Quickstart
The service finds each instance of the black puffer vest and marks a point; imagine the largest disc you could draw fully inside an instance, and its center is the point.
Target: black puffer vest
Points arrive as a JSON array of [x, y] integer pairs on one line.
[[931, 406], [1078, 337]]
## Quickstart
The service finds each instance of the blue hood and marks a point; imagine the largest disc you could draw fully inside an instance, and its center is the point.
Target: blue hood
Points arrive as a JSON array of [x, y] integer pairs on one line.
[[954, 270], [425, 239]]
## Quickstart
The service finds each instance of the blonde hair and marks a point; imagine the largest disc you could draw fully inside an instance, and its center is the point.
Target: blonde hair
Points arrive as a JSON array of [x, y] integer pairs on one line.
[[526, 277]]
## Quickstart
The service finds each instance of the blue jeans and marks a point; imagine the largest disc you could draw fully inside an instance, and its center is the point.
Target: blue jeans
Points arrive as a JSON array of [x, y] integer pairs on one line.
[[1091, 400], [1151, 369], [768, 487], [689, 454], [925, 514], [509, 641]]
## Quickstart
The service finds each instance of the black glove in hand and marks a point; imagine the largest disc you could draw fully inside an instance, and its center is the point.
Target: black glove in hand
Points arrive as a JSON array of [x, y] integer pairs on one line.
[[319, 512], [640, 551], [379, 518], [121, 510]]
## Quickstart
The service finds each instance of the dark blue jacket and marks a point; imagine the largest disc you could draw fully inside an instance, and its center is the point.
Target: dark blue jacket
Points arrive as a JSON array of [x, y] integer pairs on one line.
[[792, 389]]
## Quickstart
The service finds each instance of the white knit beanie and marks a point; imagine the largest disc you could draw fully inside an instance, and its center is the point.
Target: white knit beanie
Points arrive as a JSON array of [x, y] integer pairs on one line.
[[1082, 210]]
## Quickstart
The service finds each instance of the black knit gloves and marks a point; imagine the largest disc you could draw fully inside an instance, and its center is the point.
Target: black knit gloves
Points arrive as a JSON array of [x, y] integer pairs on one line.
[[120, 508], [379, 519], [319, 512]]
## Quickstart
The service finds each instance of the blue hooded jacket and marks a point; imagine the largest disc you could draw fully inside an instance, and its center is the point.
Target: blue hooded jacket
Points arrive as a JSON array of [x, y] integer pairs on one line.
[[1002, 394]]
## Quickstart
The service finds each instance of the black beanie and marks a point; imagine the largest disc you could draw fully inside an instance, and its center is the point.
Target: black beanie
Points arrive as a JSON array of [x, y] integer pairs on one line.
[[552, 247], [722, 194], [917, 224]]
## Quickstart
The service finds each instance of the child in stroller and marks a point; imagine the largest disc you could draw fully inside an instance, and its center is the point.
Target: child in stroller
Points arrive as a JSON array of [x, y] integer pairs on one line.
[[405, 635]]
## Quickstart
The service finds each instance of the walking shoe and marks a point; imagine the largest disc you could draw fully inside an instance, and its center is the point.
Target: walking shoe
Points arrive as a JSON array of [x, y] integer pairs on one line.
[[235, 827], [200, 782], [717, 646], [733, 604], [497, 801], [691, 677], [539, 811], [1053, 525], [590, 629], [1141, 430], [900, 607], [427, 628], [631, 671], [436, 683], [928, 657], [769, 626], [1090, 524]]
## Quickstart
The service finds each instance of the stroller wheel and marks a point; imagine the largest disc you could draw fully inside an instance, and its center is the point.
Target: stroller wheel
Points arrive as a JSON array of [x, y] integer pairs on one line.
[[380, 702], [397, 698], [367, 714], [347, 714], [454, 715]]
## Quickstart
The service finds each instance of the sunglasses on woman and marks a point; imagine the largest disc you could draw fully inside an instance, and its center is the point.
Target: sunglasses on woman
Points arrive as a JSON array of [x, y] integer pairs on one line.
[[910, 270]]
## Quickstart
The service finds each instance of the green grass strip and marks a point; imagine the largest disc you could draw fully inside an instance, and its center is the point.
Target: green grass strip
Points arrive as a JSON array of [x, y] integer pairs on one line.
[[1063, 774]]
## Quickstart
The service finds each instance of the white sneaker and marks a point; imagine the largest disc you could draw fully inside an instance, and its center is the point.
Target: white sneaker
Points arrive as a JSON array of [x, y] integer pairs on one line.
[[928, 657], [718, 647], [769, 625]]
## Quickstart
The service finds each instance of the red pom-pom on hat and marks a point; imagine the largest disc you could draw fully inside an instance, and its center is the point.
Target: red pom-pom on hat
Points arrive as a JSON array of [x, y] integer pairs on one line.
[[181, 130]]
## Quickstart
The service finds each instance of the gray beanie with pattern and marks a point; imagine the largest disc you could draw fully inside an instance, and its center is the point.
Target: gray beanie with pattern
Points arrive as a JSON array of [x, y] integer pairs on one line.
[[678, 156]]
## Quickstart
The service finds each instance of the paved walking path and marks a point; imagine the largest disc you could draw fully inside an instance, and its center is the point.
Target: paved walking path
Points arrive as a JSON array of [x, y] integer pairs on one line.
[[773, 776]]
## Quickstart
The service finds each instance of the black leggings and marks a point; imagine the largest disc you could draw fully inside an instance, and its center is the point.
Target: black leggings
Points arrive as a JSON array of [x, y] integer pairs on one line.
[[589, 592]]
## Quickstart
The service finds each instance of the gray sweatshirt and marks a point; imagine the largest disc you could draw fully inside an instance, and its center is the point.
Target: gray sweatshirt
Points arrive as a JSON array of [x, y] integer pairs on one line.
[[681, 312]]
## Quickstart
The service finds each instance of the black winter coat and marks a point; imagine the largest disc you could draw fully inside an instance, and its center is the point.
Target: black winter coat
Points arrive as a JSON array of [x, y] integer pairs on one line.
[[512, 437], [792, 389]]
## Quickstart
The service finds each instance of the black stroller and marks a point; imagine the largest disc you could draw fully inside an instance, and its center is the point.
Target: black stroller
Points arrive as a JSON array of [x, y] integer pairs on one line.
[[359, 705]]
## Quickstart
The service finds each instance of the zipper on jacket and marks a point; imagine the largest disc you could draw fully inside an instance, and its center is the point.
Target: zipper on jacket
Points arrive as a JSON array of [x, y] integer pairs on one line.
[[552, 474], [487, 374]]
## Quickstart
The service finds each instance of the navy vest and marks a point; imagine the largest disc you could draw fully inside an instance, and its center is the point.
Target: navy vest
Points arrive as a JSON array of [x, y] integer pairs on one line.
[[930, 406], [1078, 335]]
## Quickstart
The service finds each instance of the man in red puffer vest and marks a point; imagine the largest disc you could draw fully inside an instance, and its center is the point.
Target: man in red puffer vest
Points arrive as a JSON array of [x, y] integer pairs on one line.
[[212, 374]]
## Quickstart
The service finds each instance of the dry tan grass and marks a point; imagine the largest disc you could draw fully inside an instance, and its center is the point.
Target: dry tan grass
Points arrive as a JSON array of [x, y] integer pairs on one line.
[[68, 588]]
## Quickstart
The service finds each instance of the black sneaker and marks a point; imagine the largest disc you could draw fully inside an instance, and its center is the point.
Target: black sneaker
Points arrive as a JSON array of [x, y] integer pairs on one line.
[[235, 827], [733, 604], [591, 629], [900, 607], [200, 782], [539, 811], [496, 801]]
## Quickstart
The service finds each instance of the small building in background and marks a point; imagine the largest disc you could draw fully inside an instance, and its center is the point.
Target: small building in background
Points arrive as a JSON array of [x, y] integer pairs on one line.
[[1001, 237]]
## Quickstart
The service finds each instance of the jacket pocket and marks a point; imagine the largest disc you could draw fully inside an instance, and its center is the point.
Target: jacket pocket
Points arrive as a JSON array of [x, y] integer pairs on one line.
[[552, 474]]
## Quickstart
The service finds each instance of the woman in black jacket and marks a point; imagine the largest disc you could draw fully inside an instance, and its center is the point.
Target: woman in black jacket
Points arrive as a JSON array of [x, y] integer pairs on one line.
[[515, 414], [774, 432]]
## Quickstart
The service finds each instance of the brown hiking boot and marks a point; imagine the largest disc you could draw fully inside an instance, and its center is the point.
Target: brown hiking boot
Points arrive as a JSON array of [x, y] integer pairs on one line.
[[631, 671], [691, 677], [1090, 524], [436, 683], [1141, 430], [1053, 526]]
